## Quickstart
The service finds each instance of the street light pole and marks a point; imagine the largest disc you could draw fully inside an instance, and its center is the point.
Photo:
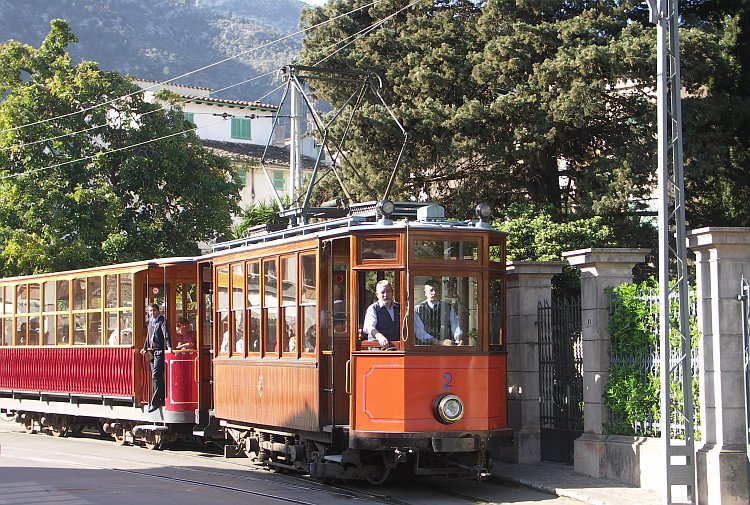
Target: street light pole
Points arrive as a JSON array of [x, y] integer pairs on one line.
[[679, 457]]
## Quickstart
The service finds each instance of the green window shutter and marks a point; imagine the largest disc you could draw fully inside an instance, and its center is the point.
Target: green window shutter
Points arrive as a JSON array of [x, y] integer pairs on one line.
[[242, 176], [278, 180], [241, 128], [188, 116]]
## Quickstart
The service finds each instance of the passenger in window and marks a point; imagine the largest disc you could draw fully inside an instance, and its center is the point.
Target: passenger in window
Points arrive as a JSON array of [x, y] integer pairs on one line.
[[254, 335], [185, 336], [435, 321], [239, 341], [382, 318], [309, 344]]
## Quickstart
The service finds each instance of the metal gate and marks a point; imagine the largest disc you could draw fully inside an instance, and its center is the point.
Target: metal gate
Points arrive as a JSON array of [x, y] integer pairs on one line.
[[560, 378]]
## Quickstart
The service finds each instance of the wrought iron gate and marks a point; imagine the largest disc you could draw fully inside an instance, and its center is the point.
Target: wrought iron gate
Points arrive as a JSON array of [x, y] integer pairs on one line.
[[560, 378]]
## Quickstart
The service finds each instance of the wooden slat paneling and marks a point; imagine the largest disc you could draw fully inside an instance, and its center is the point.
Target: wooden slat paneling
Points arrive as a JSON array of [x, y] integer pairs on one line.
[[275, 393]]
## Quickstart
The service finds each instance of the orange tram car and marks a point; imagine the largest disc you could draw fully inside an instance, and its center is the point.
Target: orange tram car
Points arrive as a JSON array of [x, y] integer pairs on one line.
[[278, 360]]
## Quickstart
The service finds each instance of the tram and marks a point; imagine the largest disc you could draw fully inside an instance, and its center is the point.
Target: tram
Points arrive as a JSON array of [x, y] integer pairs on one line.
[[298, 385], [69, 350]]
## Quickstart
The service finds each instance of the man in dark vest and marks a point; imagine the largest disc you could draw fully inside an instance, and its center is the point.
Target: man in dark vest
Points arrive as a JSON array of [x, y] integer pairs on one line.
[[435, 321], [157, 341], [382, 319]]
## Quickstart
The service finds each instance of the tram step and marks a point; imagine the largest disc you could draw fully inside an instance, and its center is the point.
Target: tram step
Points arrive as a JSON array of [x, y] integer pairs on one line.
[[152, 427], [328, 428]]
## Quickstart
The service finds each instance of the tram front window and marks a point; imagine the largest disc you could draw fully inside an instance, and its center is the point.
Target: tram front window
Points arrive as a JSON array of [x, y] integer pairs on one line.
[[446, 311], [380, 314]]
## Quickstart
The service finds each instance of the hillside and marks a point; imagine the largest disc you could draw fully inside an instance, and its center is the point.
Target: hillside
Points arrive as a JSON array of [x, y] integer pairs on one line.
[[162, 39]]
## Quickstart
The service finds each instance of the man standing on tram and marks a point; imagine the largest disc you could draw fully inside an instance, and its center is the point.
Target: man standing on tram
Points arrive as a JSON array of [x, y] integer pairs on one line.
[[157, 341]]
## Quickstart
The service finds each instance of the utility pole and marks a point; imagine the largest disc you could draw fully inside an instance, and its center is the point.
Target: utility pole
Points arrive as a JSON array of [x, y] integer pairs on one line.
[[679, 457], [295, 145]]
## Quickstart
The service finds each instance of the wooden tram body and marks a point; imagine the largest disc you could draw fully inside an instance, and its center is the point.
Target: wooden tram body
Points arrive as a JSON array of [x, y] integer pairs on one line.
[[70, 352], [335, 404], [280, 362]]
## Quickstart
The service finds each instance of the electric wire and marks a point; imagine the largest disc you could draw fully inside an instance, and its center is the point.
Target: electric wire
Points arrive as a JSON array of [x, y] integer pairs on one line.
[[125, 148], [96, 127], [211, 65], [365, 31]]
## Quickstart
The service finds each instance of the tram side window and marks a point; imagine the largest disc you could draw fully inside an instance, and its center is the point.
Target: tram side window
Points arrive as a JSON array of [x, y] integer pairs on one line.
[[222, 307], [289, 304], [6, 309], [367, 282], [50, 330], [253, 306], [270, 307], [118, 320], [496, 312], [238, 309], [7, 331], [308, 301]]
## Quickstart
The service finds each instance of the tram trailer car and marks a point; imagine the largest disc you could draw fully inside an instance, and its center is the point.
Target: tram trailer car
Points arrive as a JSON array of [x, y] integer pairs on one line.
[[70, 351], [298, 385]]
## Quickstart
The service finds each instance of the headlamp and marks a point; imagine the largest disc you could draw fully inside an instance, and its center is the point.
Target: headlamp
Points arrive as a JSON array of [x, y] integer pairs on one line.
[[448, 408]]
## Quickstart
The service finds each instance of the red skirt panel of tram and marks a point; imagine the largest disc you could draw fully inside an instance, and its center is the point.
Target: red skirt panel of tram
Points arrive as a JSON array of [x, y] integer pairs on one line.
[[99, 371]]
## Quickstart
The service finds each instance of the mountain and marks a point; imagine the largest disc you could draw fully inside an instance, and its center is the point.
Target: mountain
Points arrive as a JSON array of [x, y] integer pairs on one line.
[[162, 39]]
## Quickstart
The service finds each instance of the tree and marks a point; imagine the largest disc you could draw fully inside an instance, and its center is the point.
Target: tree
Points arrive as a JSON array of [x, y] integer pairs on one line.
[[545, 103], [107, 192]]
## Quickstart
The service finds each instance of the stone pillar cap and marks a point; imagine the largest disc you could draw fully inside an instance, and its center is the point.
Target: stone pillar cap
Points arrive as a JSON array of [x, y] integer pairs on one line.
[[718, 235], [601, 255]]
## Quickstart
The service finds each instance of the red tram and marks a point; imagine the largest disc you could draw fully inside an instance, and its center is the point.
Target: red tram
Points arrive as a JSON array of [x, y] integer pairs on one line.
[[279, 361]]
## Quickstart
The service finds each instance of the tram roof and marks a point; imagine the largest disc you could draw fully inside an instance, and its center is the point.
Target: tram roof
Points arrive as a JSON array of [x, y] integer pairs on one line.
[[132, 266], [361, 217]]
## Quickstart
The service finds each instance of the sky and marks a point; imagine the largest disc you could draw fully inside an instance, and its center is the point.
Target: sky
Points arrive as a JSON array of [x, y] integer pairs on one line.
[[314, 2]]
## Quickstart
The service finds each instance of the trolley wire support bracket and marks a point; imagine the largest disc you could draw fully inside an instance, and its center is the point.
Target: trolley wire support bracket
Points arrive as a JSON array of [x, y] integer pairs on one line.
[[362, 82], [679, 456]]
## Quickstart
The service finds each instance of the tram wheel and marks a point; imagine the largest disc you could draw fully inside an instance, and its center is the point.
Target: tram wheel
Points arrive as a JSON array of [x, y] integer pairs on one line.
[[378, 476], [28, 425], [120, 438], [154, 441], [59, 430]]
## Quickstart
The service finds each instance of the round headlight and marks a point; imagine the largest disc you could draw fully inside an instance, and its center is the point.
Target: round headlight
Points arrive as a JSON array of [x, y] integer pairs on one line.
[[484, 211], [448, 408], [386, 207]]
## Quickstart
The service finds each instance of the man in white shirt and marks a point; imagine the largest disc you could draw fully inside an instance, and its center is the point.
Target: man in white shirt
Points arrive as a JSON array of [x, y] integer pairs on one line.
[[382, 319]]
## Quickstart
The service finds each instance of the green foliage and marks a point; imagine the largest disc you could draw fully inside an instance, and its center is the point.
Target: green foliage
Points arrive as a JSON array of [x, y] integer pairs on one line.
[[632, 393], [258, 214], [87, 195], [501, 99], [632, 329], [533, 234]]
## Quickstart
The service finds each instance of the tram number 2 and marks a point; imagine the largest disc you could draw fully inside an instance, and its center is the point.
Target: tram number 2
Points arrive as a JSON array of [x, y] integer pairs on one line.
[[447, 378]]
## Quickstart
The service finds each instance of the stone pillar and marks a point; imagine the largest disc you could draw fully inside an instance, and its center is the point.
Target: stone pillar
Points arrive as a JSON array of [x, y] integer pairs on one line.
[[600, 269], [528, 283], [722, 257]]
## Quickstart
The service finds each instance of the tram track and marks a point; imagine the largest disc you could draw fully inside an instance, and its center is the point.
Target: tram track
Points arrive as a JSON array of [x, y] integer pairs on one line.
[[192, 467]]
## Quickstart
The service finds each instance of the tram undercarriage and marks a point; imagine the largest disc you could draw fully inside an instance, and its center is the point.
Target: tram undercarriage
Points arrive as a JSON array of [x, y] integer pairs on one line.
[[341, 457]]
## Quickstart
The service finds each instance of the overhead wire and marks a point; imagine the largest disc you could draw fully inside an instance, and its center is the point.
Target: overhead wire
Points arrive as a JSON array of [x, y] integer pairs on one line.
[[96, 127], [365, 31], [211, 65], [125, 148]]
